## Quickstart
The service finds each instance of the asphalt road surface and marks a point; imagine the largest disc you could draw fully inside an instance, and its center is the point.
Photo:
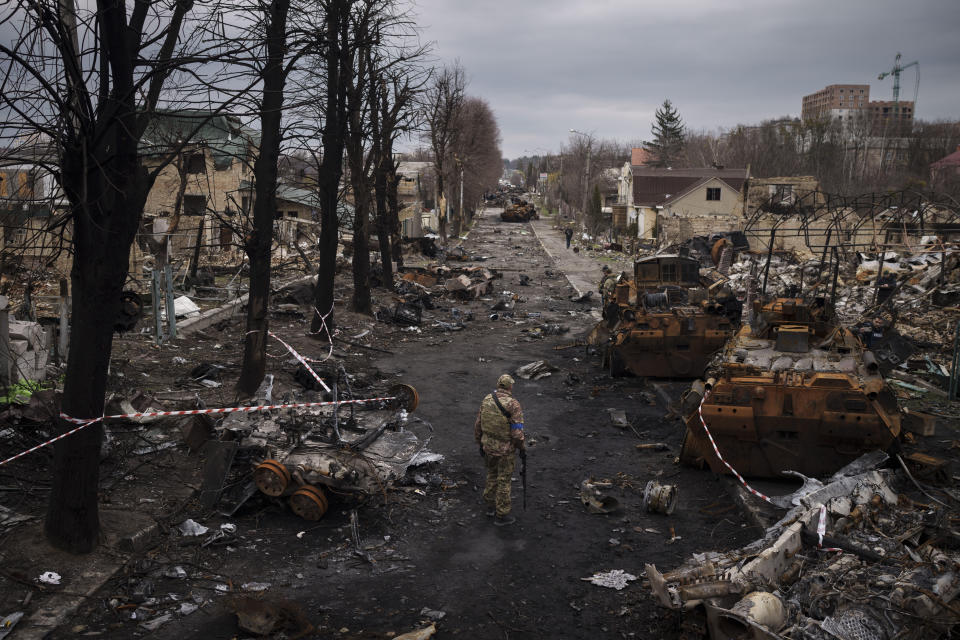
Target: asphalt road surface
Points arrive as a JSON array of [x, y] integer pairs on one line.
[[431, 554]]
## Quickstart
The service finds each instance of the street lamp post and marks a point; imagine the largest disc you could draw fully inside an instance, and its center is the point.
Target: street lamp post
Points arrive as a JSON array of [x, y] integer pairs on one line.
[[586, 179]]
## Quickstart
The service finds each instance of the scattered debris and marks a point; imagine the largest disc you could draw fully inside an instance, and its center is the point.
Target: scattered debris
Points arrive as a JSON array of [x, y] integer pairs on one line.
[[191, 528], [49, 577], [619, 418], [8, 623], [536, 370], [614, 579], [594, 495], [898, 569], [265, 617], [419, 634], [660, 498]]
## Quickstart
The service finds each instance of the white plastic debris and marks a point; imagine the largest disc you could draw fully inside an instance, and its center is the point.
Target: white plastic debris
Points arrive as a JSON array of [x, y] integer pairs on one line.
[[191, 528], [175, 572], [432, 614], [155, 623], [255, 586], [228, 527], [49, 577], [185, 307], [614, 579], [186, 608]]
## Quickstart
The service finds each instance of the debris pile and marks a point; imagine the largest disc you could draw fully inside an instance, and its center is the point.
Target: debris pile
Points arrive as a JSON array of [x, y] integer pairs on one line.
[[351, 449], [854, 558]]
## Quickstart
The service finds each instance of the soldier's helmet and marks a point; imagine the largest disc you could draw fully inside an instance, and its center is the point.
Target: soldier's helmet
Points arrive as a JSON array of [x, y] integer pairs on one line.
[[606, 269], [505, 381]]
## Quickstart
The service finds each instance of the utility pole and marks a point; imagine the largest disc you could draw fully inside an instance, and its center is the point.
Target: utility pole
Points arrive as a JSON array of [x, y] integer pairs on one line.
[[462, 217], [560, 187], [586, 179]]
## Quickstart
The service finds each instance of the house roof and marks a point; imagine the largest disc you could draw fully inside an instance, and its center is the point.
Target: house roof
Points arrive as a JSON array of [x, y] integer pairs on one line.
[[639, 156], [656, 186], [411, 169], [222, 134], [297, 195], [304, 197], [951, 160]]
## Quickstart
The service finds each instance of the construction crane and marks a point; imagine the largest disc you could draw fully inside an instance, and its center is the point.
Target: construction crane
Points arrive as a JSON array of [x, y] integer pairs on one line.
[[895, 72]]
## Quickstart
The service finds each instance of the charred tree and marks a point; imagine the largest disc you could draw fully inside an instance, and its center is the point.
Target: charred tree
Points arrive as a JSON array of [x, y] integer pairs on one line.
[[83, 113], [337, 59], [257, 245], [393, 116], [442, 101]]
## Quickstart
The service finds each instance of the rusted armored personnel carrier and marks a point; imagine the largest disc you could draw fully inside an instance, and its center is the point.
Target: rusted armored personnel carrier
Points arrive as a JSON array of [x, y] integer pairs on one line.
[[664, 323], [519, 211], [792, 391]]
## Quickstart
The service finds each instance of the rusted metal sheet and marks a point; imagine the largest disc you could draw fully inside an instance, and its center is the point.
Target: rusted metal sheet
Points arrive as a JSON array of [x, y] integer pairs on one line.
[[795, 391]]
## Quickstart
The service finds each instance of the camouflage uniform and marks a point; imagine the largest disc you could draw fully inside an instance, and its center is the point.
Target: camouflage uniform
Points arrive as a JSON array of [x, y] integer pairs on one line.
[[608, 287], [499, 438]]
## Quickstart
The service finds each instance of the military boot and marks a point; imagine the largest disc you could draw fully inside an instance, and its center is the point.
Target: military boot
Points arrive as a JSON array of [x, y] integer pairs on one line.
[[504, 520]]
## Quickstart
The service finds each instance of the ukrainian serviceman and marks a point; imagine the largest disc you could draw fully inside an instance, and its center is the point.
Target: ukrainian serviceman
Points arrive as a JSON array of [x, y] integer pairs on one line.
[[499, 432]]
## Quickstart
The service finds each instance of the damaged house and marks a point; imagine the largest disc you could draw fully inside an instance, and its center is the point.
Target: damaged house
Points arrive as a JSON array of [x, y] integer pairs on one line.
[[199, 197], [673, 205], [415, 191]]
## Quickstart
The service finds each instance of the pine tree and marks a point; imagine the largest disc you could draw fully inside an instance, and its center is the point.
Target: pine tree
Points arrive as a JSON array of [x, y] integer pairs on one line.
[[668, 137]]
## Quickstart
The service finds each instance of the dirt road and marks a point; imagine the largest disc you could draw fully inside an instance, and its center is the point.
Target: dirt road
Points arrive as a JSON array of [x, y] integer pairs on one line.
[[430, 552]]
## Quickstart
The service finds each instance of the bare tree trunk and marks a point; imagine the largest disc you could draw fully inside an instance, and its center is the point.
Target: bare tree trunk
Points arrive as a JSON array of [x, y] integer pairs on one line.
[[265, 173], [393, 209], [361, 255], [339, 65], [383, 221], [104, 229], [196, 248]]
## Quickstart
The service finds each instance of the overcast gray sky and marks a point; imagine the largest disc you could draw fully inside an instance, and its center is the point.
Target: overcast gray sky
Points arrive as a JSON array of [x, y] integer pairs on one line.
[[604, 66]]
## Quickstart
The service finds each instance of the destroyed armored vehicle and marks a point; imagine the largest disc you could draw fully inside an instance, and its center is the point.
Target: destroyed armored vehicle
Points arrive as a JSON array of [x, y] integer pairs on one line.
[[665, 323], [356, 450], [519, 211], [793, 390]]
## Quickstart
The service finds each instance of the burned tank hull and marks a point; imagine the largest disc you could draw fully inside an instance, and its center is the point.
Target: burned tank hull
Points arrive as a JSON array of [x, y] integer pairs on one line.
[[678, 344], [793, 392], [664, 323], [519, 211]]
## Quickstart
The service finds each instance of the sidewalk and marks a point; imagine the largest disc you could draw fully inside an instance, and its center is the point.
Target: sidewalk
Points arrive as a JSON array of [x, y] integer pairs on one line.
[[581, 269]]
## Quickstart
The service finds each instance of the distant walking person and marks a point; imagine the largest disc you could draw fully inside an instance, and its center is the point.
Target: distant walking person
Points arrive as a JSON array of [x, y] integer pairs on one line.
[[499, 432], [568, 232]]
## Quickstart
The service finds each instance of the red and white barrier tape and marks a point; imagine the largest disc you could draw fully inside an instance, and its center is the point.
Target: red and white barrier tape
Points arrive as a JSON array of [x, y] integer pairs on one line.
[[821, 525], [720, 457], [48, 442], [302, 361], [86, 422]]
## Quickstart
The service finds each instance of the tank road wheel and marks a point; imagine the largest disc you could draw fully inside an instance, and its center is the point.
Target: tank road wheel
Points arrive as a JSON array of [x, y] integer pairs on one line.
[[309, 502], [406, 397], [271, 477], [615, 363]]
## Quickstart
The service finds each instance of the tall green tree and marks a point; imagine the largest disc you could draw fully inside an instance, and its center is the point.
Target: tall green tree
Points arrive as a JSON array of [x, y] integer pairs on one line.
[[669, 135]]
